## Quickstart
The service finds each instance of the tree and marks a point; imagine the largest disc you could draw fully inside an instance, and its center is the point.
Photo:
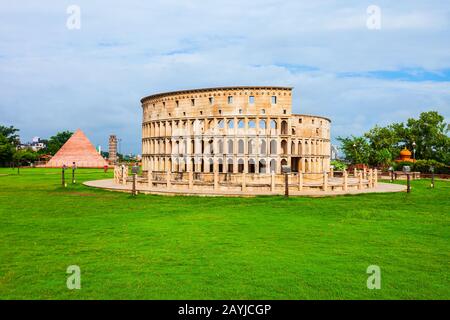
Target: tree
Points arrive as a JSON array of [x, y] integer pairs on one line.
[[57, 141], [381, 157], [429, 132], [6, 150], [24, 156], [10, 134], [384, 143], [356, 149]]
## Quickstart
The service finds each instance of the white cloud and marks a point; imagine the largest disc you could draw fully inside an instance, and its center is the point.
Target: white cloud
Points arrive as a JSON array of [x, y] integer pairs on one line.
[[53, 78]]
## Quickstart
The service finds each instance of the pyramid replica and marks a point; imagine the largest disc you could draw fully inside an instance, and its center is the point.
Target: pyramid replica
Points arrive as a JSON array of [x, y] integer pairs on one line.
[[80, 150]]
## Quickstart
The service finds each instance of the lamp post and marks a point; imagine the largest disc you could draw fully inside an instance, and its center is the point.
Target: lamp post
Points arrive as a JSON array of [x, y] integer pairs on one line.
[[74, 167], [356, 154], [414, 151], [432, 176], [63, 178]]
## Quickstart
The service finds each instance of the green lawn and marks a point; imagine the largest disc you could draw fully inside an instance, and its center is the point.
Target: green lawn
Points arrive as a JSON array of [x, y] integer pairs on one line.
[[156, 247]]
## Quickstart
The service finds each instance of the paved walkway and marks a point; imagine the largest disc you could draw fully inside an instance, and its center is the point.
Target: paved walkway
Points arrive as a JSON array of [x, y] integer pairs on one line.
[[110, 185]]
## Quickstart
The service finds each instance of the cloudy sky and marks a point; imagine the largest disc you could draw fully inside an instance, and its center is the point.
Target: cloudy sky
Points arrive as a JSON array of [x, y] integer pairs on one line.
[[53, 78]]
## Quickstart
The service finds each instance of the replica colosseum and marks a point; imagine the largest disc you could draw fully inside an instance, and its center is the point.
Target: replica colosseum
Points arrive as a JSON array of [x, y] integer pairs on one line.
[[235, 141]]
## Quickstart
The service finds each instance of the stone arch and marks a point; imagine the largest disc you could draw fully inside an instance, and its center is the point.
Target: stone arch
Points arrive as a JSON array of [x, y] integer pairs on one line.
[[262, 124], [210, 165], [220, 146], [284, 147], [263, 147], [273, 124], [262, 166], [250, 147], [251, 166], [241, 146], [240, 165], [230, 147], [230, 165], [284, 127], [273, 165], [273, 147]]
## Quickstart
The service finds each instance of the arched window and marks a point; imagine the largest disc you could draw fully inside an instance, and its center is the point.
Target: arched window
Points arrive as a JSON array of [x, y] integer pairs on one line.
[[251, 124], [230, 165], [284, 146], [241, 146], [210, 147], [263, 147], [273, 124], [230, 146], [273, 165], [284, 127], [220, 146], [262, 124], [221, 124], [251, 166], [273, 147], [241, 124], [211, 165], [230, 124], [240, 165], [262, 166], [251, 144]]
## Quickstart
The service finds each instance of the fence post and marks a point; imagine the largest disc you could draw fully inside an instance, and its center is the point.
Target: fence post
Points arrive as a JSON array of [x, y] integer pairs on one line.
[[286, 185], [133, 190], [360, 181], [370, 178], [345, 176], [375, 178]]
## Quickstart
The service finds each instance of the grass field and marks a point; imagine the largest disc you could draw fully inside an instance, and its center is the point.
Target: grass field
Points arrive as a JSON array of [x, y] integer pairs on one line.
[[156, 247]]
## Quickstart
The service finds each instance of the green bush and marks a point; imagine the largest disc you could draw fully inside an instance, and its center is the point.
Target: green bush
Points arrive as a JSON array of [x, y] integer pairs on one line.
[[338, 165], [424, 166]]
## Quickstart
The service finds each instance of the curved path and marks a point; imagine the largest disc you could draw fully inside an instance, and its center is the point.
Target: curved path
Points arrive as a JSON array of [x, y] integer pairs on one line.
[[110, 185]]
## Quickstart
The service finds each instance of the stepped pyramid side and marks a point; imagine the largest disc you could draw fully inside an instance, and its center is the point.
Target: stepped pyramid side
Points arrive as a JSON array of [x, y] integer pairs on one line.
[[80, 150]]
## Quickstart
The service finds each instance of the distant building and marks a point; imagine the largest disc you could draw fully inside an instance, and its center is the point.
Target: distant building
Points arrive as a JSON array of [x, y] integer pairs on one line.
[[36, 144], [334, 152]]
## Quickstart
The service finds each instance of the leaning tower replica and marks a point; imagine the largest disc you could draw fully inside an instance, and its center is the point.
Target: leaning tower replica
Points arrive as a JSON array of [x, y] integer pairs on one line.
[[112, 149]]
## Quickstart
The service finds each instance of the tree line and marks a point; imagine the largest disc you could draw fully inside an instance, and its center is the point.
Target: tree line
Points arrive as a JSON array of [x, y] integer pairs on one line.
[[12, 154], [380, 146]]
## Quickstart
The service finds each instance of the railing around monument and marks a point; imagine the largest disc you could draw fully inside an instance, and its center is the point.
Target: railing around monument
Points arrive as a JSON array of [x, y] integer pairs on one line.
[[208, 181]]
